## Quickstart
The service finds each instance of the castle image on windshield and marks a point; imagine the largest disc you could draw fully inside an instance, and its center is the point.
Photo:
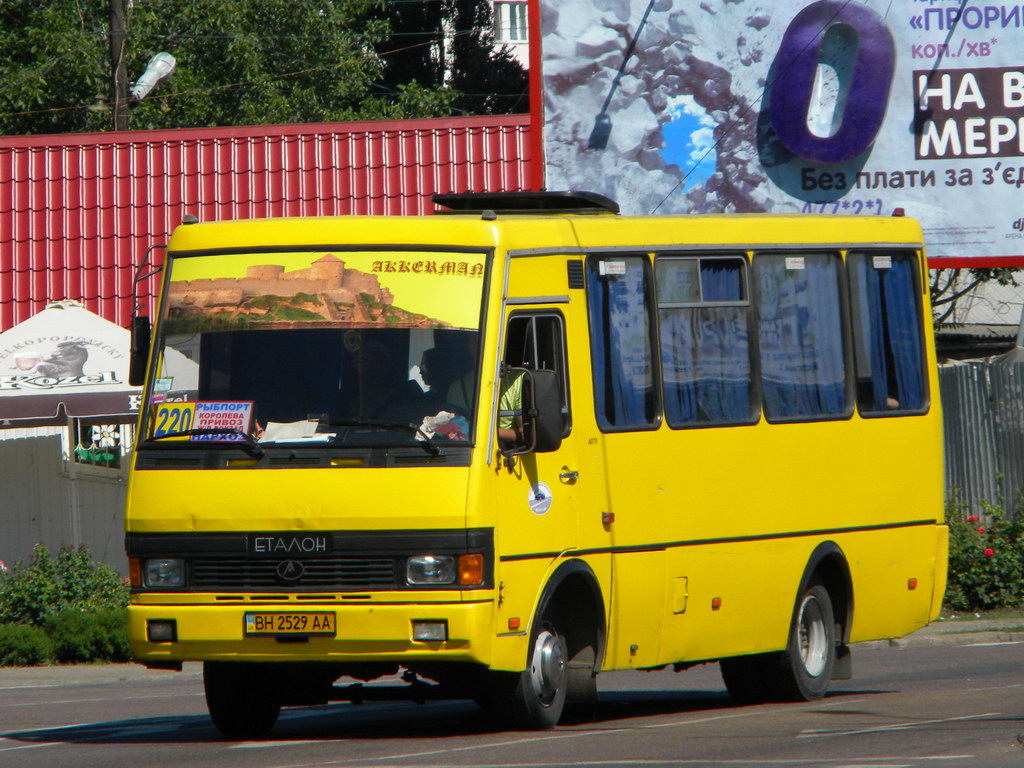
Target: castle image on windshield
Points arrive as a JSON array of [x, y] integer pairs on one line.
[[325, 294]]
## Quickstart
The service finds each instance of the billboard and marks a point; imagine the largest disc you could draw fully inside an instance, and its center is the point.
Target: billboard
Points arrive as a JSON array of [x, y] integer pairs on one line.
[[823, 106]]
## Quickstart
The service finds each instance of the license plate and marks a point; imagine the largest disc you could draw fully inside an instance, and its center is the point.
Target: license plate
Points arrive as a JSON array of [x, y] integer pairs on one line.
[[304, 623]]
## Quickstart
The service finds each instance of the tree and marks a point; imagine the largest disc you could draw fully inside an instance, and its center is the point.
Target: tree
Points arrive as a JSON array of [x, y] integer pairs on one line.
[[948, 286], [450, 43], [52, 65], [487, 81], [251, 62]]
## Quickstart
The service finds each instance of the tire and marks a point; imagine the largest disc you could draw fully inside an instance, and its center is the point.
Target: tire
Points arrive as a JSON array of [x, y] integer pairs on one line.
[[805, 667], [534, 698], [243, 703], [745, 677], [800, 673]]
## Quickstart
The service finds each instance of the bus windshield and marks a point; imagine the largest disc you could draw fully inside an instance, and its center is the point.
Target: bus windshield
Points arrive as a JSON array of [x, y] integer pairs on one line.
[[349, 348]]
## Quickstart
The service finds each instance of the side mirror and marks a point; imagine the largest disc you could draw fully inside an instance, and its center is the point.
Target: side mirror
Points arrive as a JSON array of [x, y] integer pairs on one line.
[[139, 355], [542, 421], [541, 410]]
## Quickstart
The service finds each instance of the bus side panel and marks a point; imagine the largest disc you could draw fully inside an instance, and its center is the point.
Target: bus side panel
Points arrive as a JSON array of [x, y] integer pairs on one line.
[[941, 571], [895, 574], [638, 600], [739, 511], [520, 585], [714, 611]]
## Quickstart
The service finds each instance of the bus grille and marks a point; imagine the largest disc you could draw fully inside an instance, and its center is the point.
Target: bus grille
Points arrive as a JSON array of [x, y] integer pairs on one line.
[[340, 572]]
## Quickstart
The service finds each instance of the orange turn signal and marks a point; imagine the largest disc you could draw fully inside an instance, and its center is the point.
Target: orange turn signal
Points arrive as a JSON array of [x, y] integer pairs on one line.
[[471, 570], [134, 572]]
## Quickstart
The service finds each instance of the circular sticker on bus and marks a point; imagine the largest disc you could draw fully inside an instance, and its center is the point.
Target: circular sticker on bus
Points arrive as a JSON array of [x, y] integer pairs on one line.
[[539, 498]]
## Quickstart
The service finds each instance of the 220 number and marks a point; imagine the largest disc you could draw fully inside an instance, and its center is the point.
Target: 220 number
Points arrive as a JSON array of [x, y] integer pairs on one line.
[[173, 419]]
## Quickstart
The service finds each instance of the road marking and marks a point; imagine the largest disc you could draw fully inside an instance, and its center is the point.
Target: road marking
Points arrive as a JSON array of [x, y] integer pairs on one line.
[[49, 702], [27, 746], [986, 645], [590, 732], [814, 733], [530, 740], [296, 742], [33, 687], [993, 688], [867, 762]]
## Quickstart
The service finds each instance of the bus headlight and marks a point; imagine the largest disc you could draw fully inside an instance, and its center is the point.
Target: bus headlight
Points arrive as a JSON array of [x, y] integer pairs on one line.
[[430, 569], [164, 572]]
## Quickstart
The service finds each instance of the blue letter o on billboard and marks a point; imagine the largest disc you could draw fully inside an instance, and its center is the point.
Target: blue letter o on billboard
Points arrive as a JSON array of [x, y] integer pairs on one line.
[[866, 87]]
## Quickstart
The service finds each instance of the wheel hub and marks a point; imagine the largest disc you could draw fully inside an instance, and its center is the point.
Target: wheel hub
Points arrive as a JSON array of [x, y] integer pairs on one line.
[[812, 637], [547, 665]]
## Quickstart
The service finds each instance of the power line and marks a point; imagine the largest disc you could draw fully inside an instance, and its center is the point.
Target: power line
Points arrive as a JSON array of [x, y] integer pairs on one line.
[[744, 112], [226, 86]]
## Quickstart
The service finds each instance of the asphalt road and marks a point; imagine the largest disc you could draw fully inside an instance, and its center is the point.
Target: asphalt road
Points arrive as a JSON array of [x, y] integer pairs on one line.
[[915, 705]]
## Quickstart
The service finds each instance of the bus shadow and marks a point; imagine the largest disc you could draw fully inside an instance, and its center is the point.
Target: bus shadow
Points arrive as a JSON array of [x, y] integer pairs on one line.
[[393, 721]]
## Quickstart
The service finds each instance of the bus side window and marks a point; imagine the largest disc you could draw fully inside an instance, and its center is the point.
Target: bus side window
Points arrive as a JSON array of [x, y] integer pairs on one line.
[[704, 323], [800, 334], [621, 342], [536, 341], [888, 340]]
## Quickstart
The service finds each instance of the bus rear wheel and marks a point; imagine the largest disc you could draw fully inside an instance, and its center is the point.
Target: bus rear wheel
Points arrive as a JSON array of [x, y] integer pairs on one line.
[[535, 698], [805, 668], [243, 703], [803, 671]]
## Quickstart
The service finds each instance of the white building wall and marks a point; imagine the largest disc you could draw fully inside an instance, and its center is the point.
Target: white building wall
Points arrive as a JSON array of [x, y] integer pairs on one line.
[[511, 28]]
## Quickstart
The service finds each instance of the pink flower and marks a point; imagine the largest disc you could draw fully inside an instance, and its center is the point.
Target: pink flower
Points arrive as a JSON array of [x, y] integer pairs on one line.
[[989, 552], [972, 519]]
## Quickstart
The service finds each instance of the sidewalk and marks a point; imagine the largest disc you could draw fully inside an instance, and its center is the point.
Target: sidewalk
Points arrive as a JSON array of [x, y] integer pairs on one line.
[[949, 632], [960, 631], [89, 674]]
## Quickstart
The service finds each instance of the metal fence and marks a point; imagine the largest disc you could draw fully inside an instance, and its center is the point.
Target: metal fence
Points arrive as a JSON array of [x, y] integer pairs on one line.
[[983, 416], [50, 500]]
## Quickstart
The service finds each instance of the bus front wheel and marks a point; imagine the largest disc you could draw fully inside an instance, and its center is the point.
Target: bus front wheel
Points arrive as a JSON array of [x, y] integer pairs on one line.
[[535, 697], [243, 703]]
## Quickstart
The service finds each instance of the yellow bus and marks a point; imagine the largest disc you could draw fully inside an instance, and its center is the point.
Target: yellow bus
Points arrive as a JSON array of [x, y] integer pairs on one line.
[[492, 452]]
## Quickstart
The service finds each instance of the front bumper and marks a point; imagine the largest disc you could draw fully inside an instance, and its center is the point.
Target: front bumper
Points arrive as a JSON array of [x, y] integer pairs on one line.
[[365, 632]]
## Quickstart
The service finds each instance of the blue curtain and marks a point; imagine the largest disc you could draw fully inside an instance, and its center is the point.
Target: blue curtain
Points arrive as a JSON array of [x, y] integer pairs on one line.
[[721, 280], [705, 354], [679, 364], [891, 332], [705, 351], [801, 336], [620, 344]]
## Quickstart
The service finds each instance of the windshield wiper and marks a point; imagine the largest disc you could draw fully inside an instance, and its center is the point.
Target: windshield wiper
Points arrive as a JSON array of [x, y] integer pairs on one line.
[[396, 426], [247, 444]]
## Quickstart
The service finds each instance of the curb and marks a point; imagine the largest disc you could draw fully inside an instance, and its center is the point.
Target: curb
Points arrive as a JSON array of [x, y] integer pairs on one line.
[[954, 634]]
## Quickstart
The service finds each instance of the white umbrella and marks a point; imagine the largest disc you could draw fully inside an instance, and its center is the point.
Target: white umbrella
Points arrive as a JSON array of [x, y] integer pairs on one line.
[[64, 362]]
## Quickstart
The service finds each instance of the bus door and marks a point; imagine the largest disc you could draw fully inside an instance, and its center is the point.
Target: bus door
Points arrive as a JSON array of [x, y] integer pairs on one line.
[[537, 492], [639, 466]]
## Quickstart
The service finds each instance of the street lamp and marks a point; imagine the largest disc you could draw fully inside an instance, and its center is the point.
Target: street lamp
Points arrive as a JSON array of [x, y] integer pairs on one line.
[[159, 68]]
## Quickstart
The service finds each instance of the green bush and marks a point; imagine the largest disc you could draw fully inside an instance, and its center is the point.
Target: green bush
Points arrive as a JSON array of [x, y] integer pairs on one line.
[[22, 645], [78, 636], [49, 584], [986, 559]]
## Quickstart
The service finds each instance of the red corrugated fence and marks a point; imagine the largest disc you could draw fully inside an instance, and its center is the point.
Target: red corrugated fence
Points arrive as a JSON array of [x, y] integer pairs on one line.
[[77, 211]]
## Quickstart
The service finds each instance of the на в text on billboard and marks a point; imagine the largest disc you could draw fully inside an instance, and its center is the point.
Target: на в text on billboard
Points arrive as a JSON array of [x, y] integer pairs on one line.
[[708, 106]]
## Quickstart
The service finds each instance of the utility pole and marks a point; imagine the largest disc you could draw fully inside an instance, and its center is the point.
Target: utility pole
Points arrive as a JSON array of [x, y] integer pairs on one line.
[[117, 66]]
